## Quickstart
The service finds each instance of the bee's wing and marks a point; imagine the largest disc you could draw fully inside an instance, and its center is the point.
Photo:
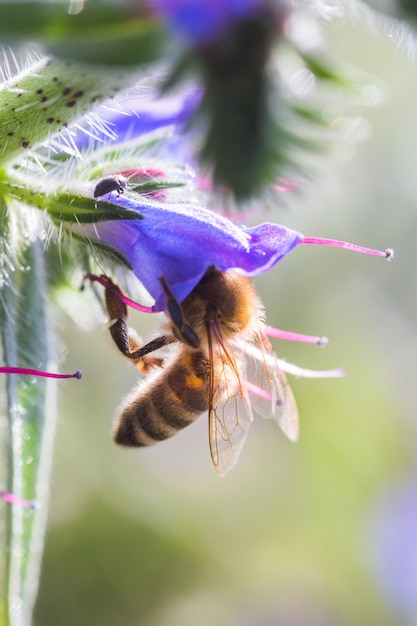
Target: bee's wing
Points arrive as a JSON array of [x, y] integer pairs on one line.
[[270, 393], [230, 413]]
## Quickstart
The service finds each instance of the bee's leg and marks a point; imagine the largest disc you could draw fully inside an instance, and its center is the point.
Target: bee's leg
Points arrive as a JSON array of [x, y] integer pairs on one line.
[[108, 284], [184, 330], [123, 337], [127, 342]]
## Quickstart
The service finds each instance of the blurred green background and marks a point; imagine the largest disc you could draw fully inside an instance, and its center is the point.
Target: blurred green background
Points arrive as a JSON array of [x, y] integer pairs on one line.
[[154, 537]]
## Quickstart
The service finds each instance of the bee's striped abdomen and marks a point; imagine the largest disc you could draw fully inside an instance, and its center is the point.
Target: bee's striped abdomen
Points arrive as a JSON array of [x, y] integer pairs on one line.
[[172, 401]]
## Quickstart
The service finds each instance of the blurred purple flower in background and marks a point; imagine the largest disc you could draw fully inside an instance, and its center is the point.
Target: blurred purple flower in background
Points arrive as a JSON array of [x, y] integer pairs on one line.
[[139, 116], [200, 21], [392, 547], [227, 47]]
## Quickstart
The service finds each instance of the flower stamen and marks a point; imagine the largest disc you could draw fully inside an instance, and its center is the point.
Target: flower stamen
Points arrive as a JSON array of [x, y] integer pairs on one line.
[[257, 391], [286, 335], [289, 368], [10, 497], [335, 243], [34, 372]]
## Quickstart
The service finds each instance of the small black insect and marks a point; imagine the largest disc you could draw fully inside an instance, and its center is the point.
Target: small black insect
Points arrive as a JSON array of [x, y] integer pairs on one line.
[[110, 183]]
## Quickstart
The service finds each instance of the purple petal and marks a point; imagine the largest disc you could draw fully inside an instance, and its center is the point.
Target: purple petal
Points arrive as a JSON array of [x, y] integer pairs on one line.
[[181, 243], [143, 116]]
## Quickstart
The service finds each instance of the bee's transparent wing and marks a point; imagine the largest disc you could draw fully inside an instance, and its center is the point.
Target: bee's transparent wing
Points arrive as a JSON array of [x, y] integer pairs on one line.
[[270, 393], [230, 413]]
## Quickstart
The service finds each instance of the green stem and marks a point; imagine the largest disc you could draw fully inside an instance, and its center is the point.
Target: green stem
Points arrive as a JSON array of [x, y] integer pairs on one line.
[[31, 423], [9, 346]]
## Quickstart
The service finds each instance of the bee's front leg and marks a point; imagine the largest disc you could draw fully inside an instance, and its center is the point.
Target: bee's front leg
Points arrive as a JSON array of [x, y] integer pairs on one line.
[[125, 338]]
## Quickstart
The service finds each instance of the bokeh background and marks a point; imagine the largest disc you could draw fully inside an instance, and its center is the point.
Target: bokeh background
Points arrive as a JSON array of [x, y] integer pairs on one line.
[[316, 533]]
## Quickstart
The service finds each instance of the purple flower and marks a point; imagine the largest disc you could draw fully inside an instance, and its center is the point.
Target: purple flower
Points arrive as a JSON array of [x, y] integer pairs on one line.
[[180, 243], [202, 20]]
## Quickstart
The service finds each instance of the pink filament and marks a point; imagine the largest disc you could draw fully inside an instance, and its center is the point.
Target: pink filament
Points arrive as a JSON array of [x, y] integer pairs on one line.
[[257, 391], [294, 370], [107, 284], [33, 372], [335, 243], [10, 497], [286, 335]]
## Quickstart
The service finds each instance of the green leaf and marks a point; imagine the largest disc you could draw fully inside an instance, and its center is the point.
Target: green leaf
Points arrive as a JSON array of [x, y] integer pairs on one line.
[[31, 414], [46, 97], [103, 33]]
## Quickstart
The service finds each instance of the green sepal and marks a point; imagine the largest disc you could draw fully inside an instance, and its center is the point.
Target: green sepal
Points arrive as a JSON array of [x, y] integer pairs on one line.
[[69, 207], [323, 70], [147, 187]]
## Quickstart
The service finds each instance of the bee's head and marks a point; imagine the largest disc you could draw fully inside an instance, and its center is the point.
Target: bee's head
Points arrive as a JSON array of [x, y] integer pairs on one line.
[[225, 299]]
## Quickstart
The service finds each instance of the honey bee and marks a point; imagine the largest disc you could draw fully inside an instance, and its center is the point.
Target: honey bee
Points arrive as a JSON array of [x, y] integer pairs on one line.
[[223, 364]]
